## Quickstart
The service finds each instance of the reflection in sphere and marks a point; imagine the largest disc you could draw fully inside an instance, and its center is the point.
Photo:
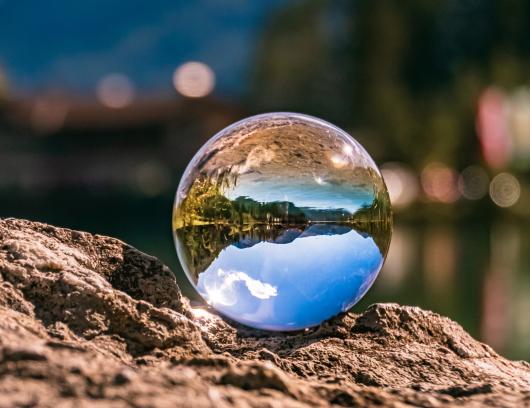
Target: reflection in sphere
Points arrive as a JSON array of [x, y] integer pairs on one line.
[[282, 221]]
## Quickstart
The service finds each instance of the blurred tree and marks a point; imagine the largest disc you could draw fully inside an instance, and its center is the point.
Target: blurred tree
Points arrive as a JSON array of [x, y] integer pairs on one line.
[[404, 75], [301, 64]]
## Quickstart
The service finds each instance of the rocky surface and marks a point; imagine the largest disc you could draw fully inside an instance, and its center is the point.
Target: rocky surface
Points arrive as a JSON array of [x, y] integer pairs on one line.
[[87, 320]]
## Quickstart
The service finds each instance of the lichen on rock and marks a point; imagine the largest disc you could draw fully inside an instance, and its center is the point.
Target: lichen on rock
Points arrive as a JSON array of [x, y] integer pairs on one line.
[[88, 320]]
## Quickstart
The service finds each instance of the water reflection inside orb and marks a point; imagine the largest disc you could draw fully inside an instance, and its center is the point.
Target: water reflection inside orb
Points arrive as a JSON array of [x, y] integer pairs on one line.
[[282, 221]]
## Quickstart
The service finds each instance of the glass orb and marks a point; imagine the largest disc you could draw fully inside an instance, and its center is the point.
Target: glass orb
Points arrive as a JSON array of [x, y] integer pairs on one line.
[[281, 221]]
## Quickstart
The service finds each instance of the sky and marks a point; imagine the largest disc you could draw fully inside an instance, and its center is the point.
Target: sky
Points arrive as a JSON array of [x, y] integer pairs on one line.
[[294, 285], [72, 44]]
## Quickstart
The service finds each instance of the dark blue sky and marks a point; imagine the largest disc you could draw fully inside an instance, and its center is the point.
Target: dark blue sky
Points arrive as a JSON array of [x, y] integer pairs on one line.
[[71, 44]]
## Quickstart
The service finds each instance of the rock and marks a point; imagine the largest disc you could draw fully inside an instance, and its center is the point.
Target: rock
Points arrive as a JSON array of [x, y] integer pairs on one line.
[[88, 320]]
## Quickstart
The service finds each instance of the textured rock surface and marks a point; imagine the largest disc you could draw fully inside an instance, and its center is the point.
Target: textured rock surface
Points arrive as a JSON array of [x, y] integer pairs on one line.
[[87, 320]]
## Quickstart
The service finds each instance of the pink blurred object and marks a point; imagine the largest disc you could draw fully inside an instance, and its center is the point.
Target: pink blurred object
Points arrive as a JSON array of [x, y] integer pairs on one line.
[[492, 128]]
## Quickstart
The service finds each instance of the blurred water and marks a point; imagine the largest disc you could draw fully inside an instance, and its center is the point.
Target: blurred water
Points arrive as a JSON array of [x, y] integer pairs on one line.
[[296, 280], [477, 273]]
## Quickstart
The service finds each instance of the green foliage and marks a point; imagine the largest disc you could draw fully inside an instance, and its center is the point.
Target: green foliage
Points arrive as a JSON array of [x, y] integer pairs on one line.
[[405, 76]]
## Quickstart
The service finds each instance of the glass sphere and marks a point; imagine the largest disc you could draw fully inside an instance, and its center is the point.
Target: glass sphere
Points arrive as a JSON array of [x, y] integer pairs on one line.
[[281, 221]]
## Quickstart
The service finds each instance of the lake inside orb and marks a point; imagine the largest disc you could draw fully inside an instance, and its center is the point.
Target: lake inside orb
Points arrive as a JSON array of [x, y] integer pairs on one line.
[[285, 278]]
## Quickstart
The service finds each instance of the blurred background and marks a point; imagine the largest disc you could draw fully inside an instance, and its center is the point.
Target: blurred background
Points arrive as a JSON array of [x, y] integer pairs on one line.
[[103, 104]]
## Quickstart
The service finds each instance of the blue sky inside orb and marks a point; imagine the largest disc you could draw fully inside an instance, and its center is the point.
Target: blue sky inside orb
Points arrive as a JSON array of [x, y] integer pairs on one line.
[[292, 285]]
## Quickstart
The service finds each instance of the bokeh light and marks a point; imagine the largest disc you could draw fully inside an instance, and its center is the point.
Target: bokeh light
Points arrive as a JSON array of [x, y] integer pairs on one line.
[[492, 127], [152, 178], [498, 289], [194, 79], [115, 91], [402, 255], [441, 245], [519, 125], [48, 115], [473, 182], [440, 183], [505, 190], [402, 183]]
